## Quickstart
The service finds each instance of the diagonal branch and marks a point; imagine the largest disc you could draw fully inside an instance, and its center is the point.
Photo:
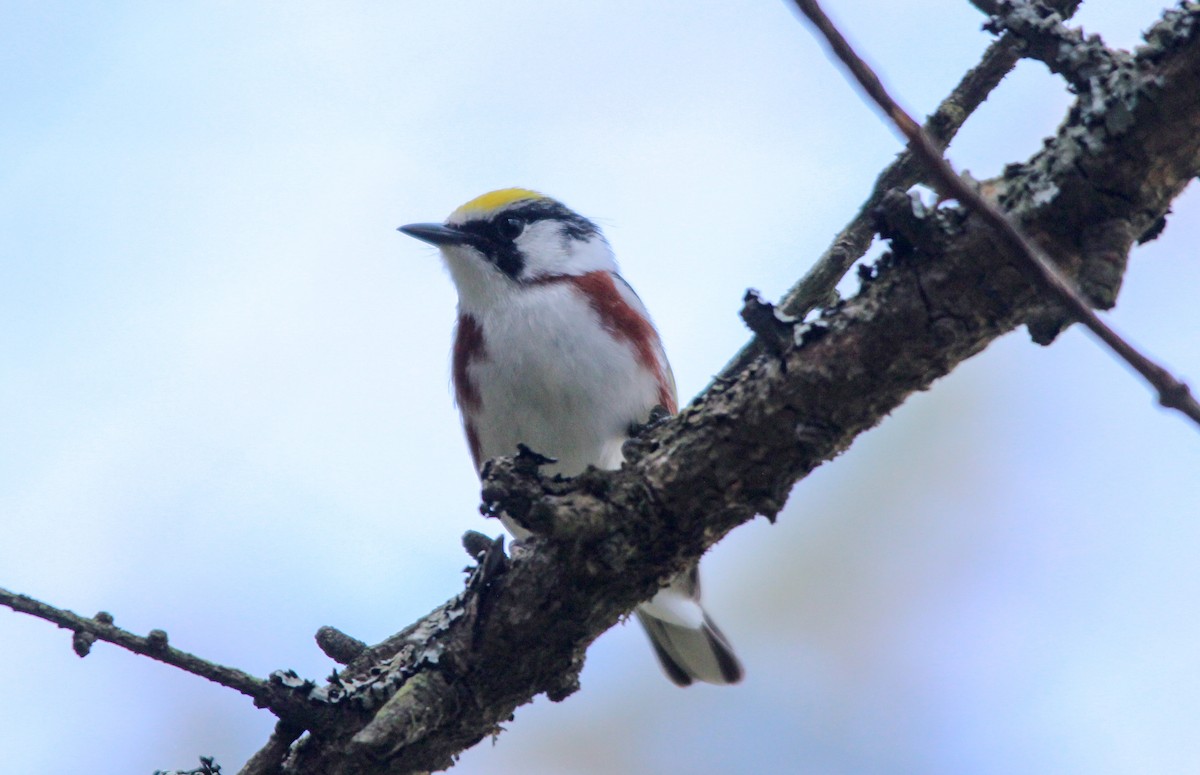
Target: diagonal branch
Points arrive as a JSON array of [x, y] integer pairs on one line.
[[154, 645], [1172, 393], [816, 287], [277, 693], [607, 539]]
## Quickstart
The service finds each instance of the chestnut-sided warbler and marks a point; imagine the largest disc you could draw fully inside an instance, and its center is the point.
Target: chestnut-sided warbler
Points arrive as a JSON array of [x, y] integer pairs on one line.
[[554, 350]]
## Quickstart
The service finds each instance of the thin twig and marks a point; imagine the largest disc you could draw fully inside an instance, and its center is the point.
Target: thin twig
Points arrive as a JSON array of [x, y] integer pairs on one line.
[[1172, 393], [817, 285], [154, 647]]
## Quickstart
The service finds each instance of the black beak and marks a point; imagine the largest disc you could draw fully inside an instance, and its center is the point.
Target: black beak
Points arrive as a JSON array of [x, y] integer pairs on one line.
[[437, 234]]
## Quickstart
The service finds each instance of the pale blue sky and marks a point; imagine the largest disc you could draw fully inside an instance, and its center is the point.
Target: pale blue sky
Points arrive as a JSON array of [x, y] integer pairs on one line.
[[228, 416]]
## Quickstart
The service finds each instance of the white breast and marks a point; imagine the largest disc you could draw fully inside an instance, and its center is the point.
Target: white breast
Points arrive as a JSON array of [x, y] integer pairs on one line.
[[555, 380]]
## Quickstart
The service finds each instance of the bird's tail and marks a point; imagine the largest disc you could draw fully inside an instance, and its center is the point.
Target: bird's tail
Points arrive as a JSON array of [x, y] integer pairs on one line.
[[689, 645]]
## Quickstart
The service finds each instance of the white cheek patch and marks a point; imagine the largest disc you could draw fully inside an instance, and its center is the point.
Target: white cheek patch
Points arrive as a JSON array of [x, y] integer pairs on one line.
[[543, 250], [549, 251]]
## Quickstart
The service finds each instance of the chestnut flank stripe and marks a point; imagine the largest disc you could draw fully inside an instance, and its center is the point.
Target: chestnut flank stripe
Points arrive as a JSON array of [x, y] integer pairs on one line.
[[623, 322], [468, 347]]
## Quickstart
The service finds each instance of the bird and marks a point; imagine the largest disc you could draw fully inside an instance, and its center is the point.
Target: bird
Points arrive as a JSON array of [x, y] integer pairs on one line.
[[554, 350]]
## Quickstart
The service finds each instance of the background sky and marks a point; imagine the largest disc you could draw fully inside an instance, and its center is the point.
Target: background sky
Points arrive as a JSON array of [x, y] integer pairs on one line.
[[226, 406]]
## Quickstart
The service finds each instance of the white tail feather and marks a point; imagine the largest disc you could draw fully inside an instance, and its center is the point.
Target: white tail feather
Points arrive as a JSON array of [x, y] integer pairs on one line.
[[689, 645]]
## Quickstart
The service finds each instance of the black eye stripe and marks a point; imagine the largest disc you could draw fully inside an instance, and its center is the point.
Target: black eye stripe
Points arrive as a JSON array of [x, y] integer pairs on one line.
[[574, 224], [496, 237], [509, 227], [500, 250]]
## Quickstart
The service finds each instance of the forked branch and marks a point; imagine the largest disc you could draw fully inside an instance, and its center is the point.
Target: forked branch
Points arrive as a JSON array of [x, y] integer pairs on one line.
[[1041, 268]]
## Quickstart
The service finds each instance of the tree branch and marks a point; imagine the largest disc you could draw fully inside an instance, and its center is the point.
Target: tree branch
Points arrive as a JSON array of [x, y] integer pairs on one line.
[[154, 645], [817, 287], [285, 694], [1091, 67], [606, 540]]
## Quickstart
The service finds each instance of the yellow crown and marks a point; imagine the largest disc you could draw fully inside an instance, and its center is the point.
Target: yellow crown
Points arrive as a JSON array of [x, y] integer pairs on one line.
[[493, 201]]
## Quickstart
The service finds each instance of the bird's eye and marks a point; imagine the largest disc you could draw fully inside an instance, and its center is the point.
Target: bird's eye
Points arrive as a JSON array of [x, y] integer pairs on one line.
[[510, 228]]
